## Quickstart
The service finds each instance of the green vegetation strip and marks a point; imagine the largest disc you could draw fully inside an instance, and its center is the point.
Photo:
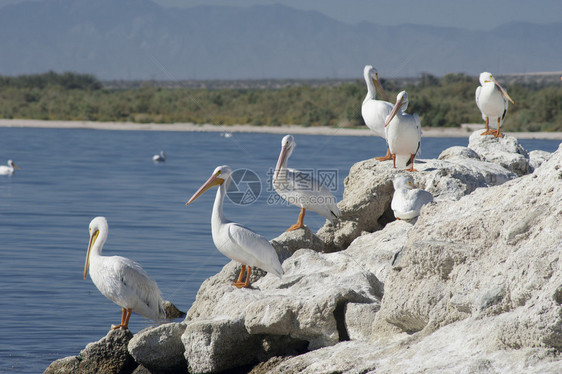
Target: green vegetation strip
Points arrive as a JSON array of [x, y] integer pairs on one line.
[[440, 102]]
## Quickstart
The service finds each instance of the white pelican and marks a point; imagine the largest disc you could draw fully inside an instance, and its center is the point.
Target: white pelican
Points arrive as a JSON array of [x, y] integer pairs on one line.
[[159, 158], [403, 131], [233, 240], [374, 111], [121, 280], [492, 100], [408, 199], [10, 169], [301, 189]]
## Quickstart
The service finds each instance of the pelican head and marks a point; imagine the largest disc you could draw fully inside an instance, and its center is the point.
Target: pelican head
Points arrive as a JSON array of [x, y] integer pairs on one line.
[[13, 164], [288, 144], [403, 182], [97, 226], [219, 176], [370, 73], [487, 77], [401, 105]]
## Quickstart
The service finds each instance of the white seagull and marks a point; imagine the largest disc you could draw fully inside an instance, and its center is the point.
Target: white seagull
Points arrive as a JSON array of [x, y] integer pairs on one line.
[[121, 280], [301, 189], [10, 169], [233, 240], [408, 199], [403, 131], [375, 111], [159, 158], [492, 100]]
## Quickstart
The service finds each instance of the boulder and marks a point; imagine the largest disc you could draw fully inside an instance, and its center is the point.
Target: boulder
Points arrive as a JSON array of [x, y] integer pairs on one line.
[[537, 157], [493, 253], [306, 309], [108, 355], [159, 348], [457, 172], [505, 151], [289, 242]]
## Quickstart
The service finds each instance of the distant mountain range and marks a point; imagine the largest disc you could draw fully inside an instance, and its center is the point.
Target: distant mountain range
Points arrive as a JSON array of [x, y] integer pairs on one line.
[[138, 39]]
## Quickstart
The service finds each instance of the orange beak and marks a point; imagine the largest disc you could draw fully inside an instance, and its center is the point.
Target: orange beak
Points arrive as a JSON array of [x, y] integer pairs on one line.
[[214, 180]]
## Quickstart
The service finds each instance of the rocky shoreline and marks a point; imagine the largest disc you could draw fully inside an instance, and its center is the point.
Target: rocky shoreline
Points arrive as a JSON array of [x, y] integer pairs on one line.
[[474, 285]]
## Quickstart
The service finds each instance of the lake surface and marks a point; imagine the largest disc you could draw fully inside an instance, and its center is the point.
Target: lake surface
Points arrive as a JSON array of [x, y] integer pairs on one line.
[[69, 176]]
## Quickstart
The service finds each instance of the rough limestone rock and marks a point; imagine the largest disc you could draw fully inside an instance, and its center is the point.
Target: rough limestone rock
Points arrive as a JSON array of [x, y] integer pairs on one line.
[[537, 157], [377, 252], [217, 345], [505, 151], [461, 347], [159, 348], [108, 355], [307, 305], [289, 242], [457, 172], [493, 253]]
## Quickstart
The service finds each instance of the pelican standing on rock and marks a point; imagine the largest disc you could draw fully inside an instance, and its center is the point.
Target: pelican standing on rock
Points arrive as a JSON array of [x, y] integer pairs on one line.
[[121, 280], [408, 200], [375, 111], [159, 158], [10, 169], [403, 131], [492, 100], [301, 189], [234, 240]]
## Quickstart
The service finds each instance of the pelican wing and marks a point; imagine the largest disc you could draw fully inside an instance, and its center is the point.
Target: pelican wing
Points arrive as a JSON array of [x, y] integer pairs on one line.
[[136, 289], [303, 190], [256, 250], [418, 124], [407, 204]]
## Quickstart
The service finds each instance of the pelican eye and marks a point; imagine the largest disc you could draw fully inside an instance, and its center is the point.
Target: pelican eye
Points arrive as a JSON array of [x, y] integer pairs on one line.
[[218, 173]]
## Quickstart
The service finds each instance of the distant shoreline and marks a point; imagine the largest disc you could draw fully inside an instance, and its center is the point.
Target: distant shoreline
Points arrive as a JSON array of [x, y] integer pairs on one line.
[[442, 132]]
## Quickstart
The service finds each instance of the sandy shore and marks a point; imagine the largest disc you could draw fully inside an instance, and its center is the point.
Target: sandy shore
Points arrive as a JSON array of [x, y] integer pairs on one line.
[[464, 131]]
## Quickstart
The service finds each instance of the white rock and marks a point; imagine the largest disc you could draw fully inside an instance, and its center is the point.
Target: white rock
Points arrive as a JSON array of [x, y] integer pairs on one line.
[[307, 305], [537, 157], [368, 190], [159, 348], [491, 253], [505, 151]]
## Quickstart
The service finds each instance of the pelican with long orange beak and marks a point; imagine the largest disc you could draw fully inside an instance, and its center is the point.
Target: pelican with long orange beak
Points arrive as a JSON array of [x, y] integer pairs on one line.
[[375, 111], [121, 280], [233, 240], [301, 188], [492, 100], [403, 131]]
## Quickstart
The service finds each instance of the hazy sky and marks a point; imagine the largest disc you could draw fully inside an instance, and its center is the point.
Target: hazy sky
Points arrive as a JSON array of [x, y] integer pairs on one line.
[[470, 14]]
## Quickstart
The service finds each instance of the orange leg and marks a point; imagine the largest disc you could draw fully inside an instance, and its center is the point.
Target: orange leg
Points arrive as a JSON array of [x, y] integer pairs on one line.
[[299, 224], [411, 168], [394, 160], [125, 316], [246, 283], [240, 277], [386, 157], [497, 133], [488, 131]]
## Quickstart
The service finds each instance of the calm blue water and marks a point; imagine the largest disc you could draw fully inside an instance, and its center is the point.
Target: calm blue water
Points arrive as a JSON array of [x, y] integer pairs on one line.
[[48, 311]]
